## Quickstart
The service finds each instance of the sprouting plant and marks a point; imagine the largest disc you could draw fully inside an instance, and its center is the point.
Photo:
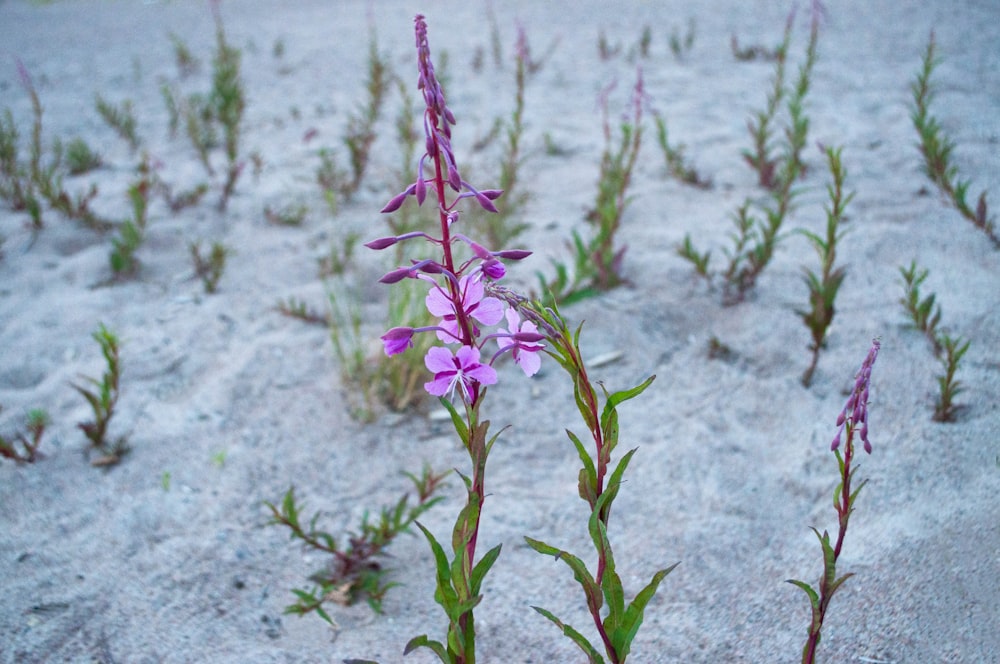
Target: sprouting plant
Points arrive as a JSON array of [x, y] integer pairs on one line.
[[187, 62], [853, 420], [360, 379], [753, 52], [180, 200], [797, 129], [209, 268], [616, 623], [756, 236], [44, 181], [496, 45], [23, 446], [604, 47], [679, 46], [699, 261], [823, 287], [925, 314], [360, 133], [291, 214], [340, 256], [922, 311], [761, 158], [645, 41], [120, 118], [949, 387], [80, 158], [200, 128], [936, 148], [133, 231], [597, 262], [405, 219], [102, 395], [499, 229], [677, 167], [356, 570], [227, 101], [16, 185], [370, 382], [296, 308], [39, 182], [361, 125]]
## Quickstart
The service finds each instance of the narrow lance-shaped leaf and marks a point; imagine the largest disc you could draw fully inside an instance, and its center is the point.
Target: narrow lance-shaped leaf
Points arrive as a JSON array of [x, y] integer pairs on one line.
[[594, 657]]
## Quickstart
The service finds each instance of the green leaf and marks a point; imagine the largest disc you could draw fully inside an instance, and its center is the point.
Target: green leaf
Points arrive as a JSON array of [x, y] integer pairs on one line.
[[813, 596], [594, 657], [588, 474], [580, 572], [836, 584], [445, 594], [423, 642], [482, 567], [619, 397], [622, 638], [603, 504], [460, 428]]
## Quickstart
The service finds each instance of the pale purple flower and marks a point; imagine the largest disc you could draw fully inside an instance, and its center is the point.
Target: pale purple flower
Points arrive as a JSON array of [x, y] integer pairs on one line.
[[397, 340], [461, 369], [525, 354], [486, 310], [855, 412]]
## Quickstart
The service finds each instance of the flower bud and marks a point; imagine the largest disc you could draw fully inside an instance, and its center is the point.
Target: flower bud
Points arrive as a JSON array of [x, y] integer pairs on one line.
[[381, 243]]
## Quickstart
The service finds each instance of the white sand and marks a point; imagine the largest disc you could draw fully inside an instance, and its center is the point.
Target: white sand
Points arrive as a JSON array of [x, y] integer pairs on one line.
[[733, 465]]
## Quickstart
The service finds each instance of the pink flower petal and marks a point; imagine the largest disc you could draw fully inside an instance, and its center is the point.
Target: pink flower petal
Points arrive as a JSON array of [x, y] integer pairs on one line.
[[439, 360], [489, 311]]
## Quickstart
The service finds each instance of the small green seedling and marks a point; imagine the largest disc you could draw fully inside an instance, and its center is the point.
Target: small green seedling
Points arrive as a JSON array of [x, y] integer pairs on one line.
[[121, 118], [355, 571], [948, 386], [823, 287], [80, 158], [209, 268], [22, 447], [102, 395]]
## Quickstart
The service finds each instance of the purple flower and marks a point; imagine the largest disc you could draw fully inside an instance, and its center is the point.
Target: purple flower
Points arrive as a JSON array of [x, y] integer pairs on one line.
[[397, 340], [855, 413], [525, 353], [461, 369], [486, 310]]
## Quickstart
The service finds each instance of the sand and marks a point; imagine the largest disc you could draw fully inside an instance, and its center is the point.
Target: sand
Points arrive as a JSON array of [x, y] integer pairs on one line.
[[234, 402]]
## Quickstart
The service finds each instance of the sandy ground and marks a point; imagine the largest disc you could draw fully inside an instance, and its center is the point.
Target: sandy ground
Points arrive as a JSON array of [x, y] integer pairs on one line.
[[237, 402]]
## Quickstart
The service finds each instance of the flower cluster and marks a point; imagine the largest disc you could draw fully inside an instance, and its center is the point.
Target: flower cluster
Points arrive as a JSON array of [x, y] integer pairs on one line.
[[855, 412], [458, 294]]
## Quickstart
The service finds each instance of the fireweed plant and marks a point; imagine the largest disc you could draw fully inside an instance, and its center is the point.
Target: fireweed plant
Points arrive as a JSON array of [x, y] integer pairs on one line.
[[761, 126], [459, 299], [597, 262], [466, 299], [852, 421], [937, 148], [355, 570], [925, 316], [500, 228], [22, 447], [42, 179], [120, 118], [823, 287], [756, 238], [603, 587], [102, 396]]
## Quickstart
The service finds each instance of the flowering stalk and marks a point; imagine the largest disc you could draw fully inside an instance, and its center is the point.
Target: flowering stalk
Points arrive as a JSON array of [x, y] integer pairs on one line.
[[459, 299], [853, 419]]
